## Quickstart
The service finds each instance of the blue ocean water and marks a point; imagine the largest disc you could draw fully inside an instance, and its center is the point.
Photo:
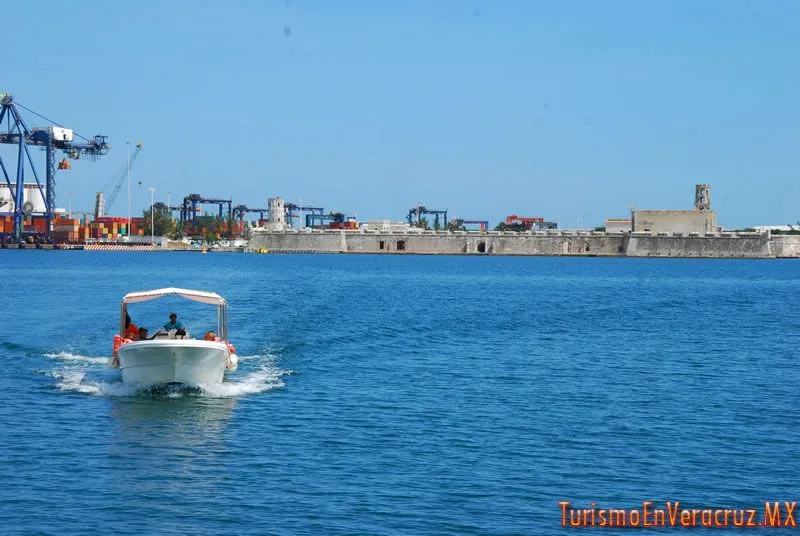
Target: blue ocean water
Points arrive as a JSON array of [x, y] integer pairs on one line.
[[400, 395]]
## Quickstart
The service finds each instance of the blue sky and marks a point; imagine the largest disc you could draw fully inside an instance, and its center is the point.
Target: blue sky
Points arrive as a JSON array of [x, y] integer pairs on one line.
[[571, 110]]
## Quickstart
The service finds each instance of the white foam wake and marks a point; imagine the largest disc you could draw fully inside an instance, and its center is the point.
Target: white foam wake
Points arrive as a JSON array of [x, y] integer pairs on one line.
[[84, 379], [257, 381], [75, 381], [69, 356]]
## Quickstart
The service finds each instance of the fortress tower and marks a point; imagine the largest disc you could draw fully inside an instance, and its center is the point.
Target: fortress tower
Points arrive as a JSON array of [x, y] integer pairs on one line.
[[702, 197]]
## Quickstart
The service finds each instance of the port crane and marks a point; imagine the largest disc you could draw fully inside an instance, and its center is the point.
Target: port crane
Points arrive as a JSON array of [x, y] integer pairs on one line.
[[87, 215], [190, 202], [102, 202], [189, 208], [415, 213], [160, 205], [526, 222], [174, 208], [50, 139], [458, 223], [522, 223], [239, 212], [333, 217], [289, 207]]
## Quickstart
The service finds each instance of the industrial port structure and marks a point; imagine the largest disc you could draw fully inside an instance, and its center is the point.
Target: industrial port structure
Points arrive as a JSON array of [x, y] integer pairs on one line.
[[28, 217], [662, 233], [649, 233], [37, 201]]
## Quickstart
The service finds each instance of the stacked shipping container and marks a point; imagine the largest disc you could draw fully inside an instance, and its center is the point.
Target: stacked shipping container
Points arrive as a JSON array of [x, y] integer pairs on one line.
[[70, 230], [80, 230], [30, 224]]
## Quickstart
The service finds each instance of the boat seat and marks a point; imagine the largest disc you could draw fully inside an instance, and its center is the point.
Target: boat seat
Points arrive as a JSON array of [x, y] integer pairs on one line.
[[171, 335]]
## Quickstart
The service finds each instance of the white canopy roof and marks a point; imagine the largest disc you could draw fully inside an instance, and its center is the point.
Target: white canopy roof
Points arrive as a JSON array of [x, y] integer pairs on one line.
[[211, 298]]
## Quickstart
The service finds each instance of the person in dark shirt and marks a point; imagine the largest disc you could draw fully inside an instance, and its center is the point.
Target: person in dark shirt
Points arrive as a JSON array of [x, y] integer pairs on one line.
[[142, 335], [131, 330]]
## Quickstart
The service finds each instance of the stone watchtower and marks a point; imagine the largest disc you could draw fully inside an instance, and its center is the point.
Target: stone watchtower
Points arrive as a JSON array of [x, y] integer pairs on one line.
[[277, 214], [702, 197]]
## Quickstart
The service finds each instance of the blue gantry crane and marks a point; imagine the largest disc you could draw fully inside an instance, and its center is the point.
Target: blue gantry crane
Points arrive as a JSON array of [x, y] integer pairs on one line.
[[159, 206], [189, 209], [174, 208], [289, 207], [239, 212], [190, 202], [484, 224], [333, 217], [415, 213], [51, 138]]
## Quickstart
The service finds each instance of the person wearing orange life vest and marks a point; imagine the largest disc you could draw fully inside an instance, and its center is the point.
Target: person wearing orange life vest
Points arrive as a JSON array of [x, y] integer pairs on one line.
[[210, 336], [131, 330]]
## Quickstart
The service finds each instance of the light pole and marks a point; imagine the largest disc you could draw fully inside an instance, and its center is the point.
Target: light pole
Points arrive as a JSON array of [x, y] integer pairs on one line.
[[128, 171], [69, 205], [169, 212], [152, 216], [300, 202]]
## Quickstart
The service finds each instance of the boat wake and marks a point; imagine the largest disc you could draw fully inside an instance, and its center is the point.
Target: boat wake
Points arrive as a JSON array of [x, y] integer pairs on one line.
[[76, 358], [89, 375]]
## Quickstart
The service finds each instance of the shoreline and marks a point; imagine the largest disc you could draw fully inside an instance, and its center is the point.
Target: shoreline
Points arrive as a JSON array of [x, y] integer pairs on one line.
[[489, 243], [532, 243]]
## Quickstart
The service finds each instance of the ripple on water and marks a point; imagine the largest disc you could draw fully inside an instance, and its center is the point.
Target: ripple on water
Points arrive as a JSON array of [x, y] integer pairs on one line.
[[433, 395]]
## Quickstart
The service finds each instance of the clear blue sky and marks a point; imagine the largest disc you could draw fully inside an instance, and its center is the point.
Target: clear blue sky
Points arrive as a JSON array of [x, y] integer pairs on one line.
[[564, 109]]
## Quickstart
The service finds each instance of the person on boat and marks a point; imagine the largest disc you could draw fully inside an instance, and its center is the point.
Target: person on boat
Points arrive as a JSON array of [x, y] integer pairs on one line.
[[131, 330], [173, 323], [142, 335], [210, 336]]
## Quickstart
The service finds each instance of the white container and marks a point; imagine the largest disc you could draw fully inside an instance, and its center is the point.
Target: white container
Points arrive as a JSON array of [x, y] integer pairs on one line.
[[61, 134]]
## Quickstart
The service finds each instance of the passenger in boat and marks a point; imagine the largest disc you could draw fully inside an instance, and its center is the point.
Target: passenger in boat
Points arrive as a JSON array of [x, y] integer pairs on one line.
[[142, 335], [173, 323], [210, 336], [131, 330]]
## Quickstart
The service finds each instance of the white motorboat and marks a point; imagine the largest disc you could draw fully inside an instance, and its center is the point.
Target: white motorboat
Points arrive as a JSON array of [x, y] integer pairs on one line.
[[174, 357]]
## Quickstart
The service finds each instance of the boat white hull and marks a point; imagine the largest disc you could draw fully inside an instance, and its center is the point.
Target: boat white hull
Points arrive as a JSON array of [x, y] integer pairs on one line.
[[190, 362]]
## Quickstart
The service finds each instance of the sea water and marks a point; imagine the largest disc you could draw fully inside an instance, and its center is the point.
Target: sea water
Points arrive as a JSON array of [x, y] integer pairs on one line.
[[399, 394]]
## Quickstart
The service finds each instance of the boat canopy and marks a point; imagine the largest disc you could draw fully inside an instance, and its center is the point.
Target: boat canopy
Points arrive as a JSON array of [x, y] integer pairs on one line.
[[211, 298]]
